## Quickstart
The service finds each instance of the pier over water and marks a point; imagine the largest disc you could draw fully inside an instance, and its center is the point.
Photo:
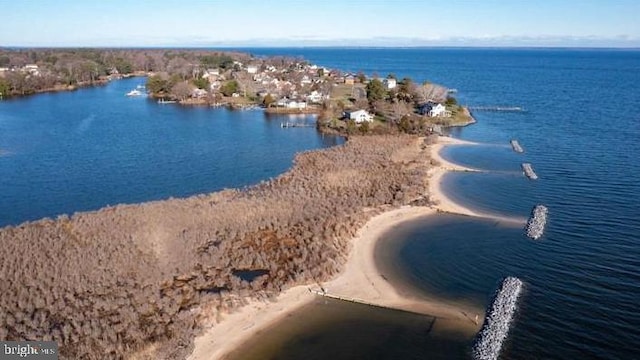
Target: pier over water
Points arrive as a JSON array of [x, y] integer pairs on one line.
[[497, 108]]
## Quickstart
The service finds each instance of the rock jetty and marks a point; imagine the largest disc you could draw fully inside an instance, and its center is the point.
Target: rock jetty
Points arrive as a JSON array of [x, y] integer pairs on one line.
[[516, 146], [528, 171], [537, 221], [497, 322]]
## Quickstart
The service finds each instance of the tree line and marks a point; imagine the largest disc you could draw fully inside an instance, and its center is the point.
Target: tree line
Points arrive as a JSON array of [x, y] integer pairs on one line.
[[68, 68]]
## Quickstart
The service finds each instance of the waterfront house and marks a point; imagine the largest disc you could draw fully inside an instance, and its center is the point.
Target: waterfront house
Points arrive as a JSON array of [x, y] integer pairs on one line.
[[390, 83], [215, 85], [31, 69], [316, 97], [424, 109], [360, 116], [296, 105], [349, 80], [282, 102], [291, 104], [439, 110], [198, 93]]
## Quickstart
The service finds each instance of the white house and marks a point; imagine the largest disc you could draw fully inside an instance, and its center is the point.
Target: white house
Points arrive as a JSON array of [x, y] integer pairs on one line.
[[439, 111], [291, 104], [31, 69], [305, 80], [215, 85], [211, 73], [316, 97], [199, 93], [390, 83], [360, 116], [296, 105], [252, 69]]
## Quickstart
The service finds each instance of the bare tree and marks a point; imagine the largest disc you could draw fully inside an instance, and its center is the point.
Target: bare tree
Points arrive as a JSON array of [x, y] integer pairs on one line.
[[181, 90]]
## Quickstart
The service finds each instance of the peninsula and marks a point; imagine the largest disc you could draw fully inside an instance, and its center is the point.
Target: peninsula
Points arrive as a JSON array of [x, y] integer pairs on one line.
[[144, 280], [347, 103]]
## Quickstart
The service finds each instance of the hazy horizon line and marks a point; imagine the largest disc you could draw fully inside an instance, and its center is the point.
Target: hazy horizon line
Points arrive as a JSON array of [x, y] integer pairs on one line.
[[248, 46], [540, 41]]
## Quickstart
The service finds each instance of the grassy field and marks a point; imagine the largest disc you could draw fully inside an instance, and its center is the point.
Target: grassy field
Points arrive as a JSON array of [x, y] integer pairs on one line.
[[345, 92]]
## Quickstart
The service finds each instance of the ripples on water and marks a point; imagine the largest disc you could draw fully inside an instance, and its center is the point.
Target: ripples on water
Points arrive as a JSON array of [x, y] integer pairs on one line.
[[581, 292], [82, 150], [338, 330], [580, 134]]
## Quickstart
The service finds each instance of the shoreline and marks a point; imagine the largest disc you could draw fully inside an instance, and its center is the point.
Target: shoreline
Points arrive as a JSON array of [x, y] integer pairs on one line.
[[437, 173], [445, 204], [58, 88], [361, 278]]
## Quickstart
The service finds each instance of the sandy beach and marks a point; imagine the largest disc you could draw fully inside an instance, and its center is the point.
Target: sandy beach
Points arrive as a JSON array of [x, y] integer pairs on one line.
[[436, 175], [443, 203], [360, 279]]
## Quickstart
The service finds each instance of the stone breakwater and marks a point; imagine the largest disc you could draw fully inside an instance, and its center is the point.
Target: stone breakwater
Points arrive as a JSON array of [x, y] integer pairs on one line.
[[537, 221], [516, 146], [528, 171], [498, 320]]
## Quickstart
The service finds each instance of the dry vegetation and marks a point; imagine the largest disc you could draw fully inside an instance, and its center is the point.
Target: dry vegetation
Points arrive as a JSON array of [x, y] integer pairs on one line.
[[143, 279]]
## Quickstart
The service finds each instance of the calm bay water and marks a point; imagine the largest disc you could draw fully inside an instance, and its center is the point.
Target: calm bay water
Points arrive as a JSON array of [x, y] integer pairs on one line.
[[581, 132], [67, 152], [75, 151]]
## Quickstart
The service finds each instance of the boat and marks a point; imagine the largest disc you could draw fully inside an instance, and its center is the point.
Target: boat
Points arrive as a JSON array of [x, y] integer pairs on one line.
[[134, 92], [141, 87], [163, 101]]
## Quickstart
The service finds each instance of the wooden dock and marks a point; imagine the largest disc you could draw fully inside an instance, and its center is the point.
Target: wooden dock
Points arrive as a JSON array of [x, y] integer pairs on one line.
[[497, 108], [294, 125]]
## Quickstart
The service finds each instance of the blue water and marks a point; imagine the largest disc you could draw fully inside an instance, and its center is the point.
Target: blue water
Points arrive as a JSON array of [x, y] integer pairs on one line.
[[581, 132], [67, 152], [75, 151]]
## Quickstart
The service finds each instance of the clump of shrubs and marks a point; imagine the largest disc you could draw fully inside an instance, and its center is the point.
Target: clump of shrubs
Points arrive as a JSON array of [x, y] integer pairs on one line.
[[129, 278]]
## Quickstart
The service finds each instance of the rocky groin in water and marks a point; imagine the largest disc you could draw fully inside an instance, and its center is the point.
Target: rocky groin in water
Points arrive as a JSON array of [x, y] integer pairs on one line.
[[498, 320], [516, 146], [537, 221], [528, 171]]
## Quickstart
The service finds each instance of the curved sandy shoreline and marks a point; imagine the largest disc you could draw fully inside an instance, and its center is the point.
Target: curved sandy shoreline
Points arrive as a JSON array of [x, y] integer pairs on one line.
[[360, 279], [437, 194]]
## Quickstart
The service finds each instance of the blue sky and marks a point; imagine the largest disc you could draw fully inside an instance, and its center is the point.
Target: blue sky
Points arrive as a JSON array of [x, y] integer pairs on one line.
[[611, 23]]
